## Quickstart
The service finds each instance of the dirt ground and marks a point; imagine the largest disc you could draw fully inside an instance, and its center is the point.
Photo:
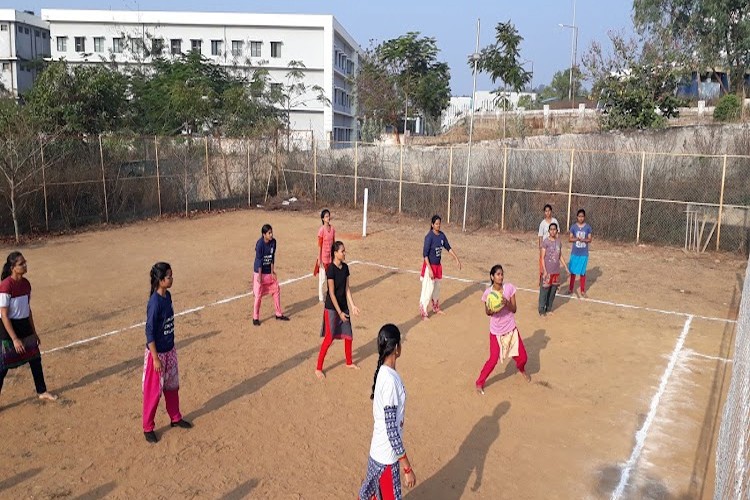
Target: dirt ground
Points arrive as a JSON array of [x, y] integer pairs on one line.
[[265, 427]]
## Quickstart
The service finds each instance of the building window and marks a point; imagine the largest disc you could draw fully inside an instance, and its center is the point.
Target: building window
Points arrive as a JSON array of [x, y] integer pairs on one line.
[[37, 34], [98, 44], [26, 31], [157, 47], [44, 35], [6, 66], [275, 49], [117, 45], [62, 43], [80, 43], [136, 46], [195, 46], [216, 47], [3, 27], [255, 49], [175, 46], [236, 48]]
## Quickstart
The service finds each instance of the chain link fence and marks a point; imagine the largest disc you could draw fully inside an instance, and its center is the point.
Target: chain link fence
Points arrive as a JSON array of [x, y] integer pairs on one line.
[[697, 201]]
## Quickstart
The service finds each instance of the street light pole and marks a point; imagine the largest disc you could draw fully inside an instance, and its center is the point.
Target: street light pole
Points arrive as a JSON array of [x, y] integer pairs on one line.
[[573, 51], [474, 57]]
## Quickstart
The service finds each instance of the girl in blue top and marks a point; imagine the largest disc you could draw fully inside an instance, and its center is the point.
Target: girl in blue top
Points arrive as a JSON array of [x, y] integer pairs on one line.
[[580, 236], [432, 269], [160, 360]]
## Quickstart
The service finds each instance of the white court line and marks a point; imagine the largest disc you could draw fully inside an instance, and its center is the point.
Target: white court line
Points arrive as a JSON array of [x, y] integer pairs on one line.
[[706, 356], [181, 313], [640, 436], [596, 301]]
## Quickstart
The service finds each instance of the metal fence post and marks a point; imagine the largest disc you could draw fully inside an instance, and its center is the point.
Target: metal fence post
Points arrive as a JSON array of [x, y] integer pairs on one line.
[[356, 165], [640, 200], [721, 202], [570, 184], [247, 144], [158, 176], [104, 181], [450, 179], [315, 171], [44, 184], [208, 177], [400, 176], [505, 178]]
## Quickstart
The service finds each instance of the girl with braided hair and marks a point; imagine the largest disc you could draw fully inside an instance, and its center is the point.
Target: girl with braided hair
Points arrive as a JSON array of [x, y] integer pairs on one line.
[[383, 480], [160, 360]]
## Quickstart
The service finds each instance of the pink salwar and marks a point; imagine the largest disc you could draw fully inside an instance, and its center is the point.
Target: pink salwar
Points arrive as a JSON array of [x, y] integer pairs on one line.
[[266, 285], [154, 383]]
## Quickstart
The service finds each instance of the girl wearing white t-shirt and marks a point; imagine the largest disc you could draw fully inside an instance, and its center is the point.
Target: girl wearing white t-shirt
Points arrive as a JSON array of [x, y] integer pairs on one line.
[[383, 480], [505, 341]]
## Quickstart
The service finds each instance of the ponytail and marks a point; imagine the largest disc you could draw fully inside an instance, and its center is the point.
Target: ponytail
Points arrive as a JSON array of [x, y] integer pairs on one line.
[[158, 273], [389, 338], [9, 263]]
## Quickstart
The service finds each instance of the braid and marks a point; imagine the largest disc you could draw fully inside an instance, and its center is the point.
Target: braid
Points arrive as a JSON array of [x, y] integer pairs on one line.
[[375, 378]]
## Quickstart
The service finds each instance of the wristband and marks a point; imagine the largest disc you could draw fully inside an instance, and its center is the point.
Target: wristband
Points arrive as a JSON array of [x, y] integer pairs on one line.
[[402, 457], [407, 470]]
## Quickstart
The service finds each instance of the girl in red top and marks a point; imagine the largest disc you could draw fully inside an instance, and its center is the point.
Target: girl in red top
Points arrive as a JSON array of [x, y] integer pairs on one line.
[[19, 341], [326, 237]]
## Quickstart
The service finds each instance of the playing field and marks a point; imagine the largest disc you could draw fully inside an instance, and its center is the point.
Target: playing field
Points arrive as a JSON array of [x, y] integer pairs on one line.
[[625, 399]]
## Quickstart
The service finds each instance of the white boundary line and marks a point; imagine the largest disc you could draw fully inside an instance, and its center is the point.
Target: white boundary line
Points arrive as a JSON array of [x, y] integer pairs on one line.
[[181, 313], [640, 436], [596, 301], [706, 356]]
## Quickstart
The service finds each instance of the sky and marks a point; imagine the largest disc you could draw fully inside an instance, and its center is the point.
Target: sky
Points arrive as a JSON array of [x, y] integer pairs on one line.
[[451, 23]]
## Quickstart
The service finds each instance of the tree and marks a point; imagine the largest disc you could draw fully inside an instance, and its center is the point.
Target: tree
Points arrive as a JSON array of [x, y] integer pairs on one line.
[[502, 60], [717, 32], [636, 82], [410, 60], [80, 100], [295, 93], [560, 85], [378, 100]]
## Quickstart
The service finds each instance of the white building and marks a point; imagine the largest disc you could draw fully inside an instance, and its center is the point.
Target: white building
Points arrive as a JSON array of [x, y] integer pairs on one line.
[[24, 41], [239, 41], [486, 103]]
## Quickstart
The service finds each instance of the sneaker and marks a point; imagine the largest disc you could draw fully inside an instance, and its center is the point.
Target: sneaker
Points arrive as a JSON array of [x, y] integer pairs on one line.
[[282, 318], [151, 437], [182, 423], [256, 322]]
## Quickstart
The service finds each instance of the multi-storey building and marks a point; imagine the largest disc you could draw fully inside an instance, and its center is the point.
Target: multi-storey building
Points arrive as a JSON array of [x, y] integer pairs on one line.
[[24, 42], [239, 41]]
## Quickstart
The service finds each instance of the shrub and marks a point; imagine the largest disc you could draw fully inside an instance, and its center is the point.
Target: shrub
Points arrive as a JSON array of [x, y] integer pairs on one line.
[[728, 108]]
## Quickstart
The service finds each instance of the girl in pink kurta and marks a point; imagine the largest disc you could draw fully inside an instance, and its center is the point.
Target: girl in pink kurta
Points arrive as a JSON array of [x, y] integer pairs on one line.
[[326, 237], [505, 341]]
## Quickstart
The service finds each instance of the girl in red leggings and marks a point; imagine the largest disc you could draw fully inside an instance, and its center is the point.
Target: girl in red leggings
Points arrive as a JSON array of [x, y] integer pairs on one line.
[[505, 341], [336, 321]]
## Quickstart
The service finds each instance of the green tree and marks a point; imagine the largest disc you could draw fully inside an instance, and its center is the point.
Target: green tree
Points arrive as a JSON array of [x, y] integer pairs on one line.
[[502, 60], [717, 32], [559, 87], [81, 99], [410, 60], [295, 93], [378, 100]]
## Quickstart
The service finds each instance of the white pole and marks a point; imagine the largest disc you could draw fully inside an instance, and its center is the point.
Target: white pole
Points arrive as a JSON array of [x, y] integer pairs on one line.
[[364, 216], [475, 57]]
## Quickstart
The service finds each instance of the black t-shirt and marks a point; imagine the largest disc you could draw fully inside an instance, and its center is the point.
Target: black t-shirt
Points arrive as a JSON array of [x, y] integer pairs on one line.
[[339, 277]]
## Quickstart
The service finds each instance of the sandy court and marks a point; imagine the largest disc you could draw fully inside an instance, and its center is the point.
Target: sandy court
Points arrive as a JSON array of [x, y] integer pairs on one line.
[[648, 351]]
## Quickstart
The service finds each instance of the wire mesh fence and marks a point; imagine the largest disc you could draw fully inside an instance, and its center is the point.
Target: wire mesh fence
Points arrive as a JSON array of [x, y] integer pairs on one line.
[[697, 201]]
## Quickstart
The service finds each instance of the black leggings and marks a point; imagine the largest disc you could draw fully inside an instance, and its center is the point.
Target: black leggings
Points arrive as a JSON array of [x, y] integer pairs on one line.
[[36, 372]]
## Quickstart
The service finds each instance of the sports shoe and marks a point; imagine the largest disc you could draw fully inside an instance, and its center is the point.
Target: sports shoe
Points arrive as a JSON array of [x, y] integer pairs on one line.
[[151, 437], [282, 318], [256, 322], [182, 423]]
